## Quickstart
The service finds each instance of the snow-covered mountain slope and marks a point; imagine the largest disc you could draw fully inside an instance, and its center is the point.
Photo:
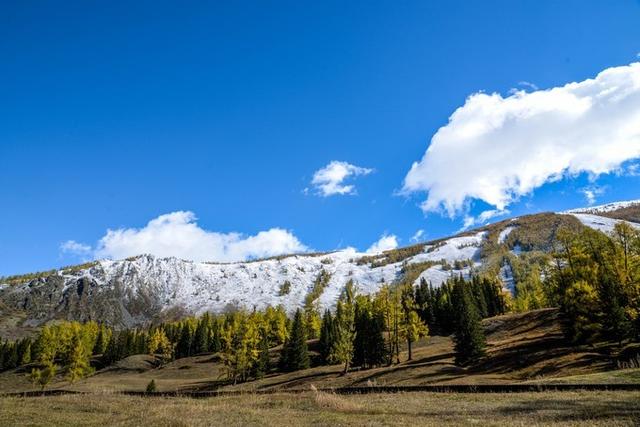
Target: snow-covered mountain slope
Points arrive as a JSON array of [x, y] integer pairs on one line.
[[598, 222], [609, 207], [145, 288]]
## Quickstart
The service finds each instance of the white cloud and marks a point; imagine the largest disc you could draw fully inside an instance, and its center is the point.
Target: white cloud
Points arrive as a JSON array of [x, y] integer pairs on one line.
[[178, 234], [591, 193], [330, 180], [386, 242], [416, 237], [497, 149], [71, 247]]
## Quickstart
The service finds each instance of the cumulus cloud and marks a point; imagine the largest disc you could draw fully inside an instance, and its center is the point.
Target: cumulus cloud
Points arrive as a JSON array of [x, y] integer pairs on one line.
[[178, 234], [330, 180], [386, 242], [496, 149]]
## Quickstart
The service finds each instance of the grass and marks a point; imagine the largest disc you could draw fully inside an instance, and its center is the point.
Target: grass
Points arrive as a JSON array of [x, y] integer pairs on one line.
[[311, 408], [521, 347], [622, 376]]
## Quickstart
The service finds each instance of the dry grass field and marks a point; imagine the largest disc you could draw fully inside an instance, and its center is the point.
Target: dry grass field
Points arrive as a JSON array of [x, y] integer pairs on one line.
[[311, 408], [522, 348]]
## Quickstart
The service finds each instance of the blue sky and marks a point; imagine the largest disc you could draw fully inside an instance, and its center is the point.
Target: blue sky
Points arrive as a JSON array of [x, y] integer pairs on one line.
[[115, 113]]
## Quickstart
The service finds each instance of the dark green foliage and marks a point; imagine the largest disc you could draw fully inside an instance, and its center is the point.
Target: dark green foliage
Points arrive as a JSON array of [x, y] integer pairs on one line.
[[201, 337], [151, 387], [327, 336], [263, 366], [214, 337], [468, 335], [185, 344], [370, 348], [100, 344], [436, 309], [295, 354]]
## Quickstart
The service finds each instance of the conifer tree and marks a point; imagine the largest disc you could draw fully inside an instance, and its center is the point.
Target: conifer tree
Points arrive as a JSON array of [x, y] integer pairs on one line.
[[184, 347], [468, 336], [201, 337], [100, 345], [263, 364], [295, 355], [327, 336]]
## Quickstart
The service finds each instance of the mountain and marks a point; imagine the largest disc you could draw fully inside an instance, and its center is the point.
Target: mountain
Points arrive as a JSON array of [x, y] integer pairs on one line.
[[145, 288]]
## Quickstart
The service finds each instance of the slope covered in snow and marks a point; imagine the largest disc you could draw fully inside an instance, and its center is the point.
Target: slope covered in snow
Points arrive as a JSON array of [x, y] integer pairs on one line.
[[601, 223], [609, 207]]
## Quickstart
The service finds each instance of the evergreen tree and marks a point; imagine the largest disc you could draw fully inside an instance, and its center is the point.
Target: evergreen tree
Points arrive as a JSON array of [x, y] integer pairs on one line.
[[263, 365], [215, 344], [184, 347], [201, 338], [295, 354], [100, 345], [327, 336], [468, 336]]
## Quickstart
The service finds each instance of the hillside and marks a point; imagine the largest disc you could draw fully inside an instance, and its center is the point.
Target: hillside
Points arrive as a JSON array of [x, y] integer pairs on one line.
[[143, 289], [521, 347]]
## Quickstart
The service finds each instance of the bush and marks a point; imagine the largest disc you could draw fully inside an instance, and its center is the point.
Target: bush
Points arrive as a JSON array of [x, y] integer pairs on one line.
[[151, 387]]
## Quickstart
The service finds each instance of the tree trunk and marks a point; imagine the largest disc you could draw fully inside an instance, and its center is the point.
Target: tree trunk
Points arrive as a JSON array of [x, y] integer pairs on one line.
[[409, 348]]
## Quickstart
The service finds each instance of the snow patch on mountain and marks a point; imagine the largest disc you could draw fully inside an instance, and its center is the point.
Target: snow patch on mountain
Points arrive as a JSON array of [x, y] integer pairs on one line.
[[502, 237], [609, 207], [455, 249], [600, 223]]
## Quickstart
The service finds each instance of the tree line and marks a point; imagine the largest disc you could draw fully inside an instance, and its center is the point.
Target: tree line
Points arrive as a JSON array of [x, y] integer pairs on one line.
[[363, 331]]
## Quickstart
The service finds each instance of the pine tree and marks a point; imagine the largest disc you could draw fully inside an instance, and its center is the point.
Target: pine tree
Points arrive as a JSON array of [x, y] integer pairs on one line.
[[369, 345], [295, 354], [327, 336], [201, 337], [468, 336], [100, 345], [184, 347], [263, 365], [215, 344]]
